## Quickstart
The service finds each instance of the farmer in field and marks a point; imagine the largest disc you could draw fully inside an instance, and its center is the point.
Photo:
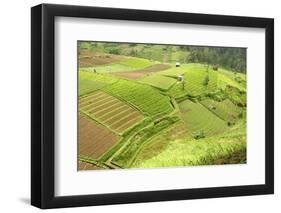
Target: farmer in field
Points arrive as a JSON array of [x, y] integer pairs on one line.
[[181, 80]]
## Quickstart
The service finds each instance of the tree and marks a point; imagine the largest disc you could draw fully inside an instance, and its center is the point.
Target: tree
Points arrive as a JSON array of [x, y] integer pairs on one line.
[[231, 58]]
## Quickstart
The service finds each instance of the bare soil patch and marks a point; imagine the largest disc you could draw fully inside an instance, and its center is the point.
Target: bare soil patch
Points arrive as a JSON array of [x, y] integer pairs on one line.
[[129, 123], [94, 139], [140, 73], [90, 59], [87, 166]]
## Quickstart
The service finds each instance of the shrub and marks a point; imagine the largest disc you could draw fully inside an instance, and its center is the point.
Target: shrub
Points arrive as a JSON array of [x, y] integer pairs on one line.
[[240, 115], [215, 67], [238, 79], [230, 123], [115, 51], [206, 80], [199, 135]]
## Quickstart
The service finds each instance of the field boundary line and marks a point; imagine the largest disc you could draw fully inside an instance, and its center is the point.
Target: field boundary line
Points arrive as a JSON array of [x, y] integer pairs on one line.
[[129, 109], [97, 121], [127, 102], [212, 111], [147, 142]]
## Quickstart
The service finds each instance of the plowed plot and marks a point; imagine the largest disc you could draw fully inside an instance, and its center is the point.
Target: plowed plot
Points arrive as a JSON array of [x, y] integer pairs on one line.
[[140, 73], [87, 166], [110, 111], [94, 140], [90, 59]]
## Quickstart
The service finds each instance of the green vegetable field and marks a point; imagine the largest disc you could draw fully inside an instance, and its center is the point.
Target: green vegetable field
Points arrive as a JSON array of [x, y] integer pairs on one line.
[[151, 106]]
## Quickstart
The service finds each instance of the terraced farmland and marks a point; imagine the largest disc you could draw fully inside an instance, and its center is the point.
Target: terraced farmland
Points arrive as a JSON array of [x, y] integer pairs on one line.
[[193, 87], [94, 139], [104, 78], [127, 64], [89, 82], [88, 86], [224, 80], [176, 71], [147, 99], [225, 109], [159, 81], [160, 142], [154, 105], [198, 118], [194, 76], [142, 72], [87, 166], [232, 75], [90, 59], [140, 138], [211, 151], [109, 111]]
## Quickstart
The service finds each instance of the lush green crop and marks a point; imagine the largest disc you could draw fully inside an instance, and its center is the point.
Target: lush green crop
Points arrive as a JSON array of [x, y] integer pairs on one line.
[[194, 82], [159, 81], [225, 109], [195, 75], [140, 138], [147, 99], [104, 78], [198, 118], [234, 79], [89, 82], [236, 96], [231, 74], [239, 129], [161, 120], [224, 80], [176, 71], [86, 86]]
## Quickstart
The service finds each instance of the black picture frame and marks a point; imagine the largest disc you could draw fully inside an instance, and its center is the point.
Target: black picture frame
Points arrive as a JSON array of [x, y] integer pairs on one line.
[[43, 102]]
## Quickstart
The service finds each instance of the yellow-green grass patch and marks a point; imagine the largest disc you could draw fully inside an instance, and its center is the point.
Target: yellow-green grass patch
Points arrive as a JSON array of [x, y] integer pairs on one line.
[[159, 81], [199, 119]]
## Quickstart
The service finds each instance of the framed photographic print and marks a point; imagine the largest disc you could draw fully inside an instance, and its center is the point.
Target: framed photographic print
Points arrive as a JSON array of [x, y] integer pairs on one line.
[[140, 106]]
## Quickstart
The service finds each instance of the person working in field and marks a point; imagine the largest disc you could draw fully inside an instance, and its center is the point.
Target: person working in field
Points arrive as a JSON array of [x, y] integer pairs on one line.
[[181, 80]]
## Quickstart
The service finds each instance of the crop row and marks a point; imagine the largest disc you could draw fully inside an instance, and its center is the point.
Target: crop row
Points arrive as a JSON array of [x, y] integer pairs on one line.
[[90, 82], [195, 75], [224, 109], [159, 81], [134, 144], [147, 99], [194, 82], [160, 141], [199, 119], [109, 111]]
